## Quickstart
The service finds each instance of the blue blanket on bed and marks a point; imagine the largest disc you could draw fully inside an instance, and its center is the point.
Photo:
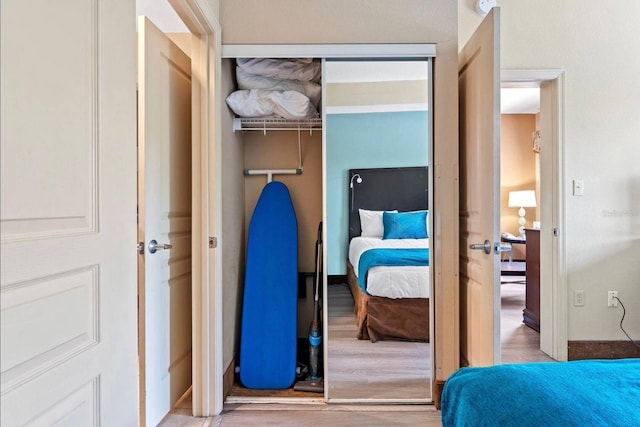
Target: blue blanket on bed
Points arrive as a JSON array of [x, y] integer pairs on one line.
[[389, 257], [579, 393]]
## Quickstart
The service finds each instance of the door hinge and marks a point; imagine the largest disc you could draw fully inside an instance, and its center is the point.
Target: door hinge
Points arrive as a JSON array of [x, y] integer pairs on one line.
[[213, 242], [140, 248], [556, 231]]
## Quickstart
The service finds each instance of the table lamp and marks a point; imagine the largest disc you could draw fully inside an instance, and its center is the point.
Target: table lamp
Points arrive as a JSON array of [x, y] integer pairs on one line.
[[522, 199]]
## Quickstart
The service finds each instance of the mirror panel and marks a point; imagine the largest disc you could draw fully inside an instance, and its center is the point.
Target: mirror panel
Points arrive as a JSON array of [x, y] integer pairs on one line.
[[377, 121]]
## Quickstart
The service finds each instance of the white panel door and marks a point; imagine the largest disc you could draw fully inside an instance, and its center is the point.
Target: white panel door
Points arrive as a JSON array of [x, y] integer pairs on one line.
[[68, 214], [479, 104], [164, 192]]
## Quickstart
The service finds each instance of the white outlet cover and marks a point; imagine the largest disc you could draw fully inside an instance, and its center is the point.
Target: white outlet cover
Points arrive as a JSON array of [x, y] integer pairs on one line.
[[484, 6]]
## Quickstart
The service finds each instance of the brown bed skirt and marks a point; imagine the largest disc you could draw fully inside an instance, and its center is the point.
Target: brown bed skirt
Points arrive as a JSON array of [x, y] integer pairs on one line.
[[380, 318]]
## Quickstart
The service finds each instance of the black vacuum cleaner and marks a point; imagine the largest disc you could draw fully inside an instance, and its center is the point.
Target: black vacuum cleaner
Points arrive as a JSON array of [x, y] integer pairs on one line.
[[314, 382]]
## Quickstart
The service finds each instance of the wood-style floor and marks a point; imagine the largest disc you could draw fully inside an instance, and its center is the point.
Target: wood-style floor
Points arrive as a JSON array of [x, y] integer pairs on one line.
[[519, 344], [359, 369], [243, 415]]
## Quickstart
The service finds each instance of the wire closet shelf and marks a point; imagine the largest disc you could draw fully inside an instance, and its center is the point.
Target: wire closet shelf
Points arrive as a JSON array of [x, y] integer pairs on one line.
[[274, 123]]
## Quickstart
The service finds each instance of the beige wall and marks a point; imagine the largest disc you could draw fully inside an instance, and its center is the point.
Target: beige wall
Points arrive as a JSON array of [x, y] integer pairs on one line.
[[384, 21], [337, 21], [596, 47], [517, 171], [279, 150], [232, 235]]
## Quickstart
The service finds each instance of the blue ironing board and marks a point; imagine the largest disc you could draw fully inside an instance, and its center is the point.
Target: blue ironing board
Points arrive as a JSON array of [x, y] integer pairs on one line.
[[268, 341]]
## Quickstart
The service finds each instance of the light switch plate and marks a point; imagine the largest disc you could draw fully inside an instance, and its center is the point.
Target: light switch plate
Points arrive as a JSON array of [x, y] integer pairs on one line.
[[578, 187], [578, 298]]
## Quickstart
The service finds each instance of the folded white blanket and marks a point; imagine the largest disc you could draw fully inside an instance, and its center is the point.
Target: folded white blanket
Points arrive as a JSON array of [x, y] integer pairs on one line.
[[247, 81], [291, 69], [264, 103]]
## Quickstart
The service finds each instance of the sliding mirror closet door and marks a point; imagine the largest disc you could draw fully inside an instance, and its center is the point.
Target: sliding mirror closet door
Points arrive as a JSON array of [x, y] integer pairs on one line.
[[377, 171]]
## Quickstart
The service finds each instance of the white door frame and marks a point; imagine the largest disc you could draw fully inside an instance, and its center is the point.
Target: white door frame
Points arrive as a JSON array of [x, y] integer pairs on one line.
[[553, 298], [206, 61]]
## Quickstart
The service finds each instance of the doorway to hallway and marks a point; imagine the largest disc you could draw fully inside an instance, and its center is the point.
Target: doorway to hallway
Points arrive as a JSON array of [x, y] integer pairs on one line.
[[537, 128]]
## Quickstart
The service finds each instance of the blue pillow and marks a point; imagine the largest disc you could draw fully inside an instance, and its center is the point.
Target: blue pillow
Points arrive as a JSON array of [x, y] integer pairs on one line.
[[405, 225]]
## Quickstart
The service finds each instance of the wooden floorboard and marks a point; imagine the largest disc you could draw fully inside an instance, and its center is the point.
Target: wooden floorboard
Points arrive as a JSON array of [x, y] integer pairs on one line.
[[360, 369], [519, 344], [285, 415], [239, 391]]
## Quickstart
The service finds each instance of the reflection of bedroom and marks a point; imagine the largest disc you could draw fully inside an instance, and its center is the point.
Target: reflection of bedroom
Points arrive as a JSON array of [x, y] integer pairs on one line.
[[377, 126]]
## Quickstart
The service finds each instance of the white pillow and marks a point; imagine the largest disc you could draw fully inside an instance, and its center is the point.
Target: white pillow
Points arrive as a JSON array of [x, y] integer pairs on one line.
[[371, 223]]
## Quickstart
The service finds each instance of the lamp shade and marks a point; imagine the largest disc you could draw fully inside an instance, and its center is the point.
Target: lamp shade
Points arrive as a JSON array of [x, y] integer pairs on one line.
[[522, 199]]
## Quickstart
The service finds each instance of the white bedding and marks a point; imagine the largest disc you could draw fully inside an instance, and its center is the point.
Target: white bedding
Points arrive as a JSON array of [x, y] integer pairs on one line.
[[303, 69], [270, 87], [288, 104], [392, 282], [247, 81]]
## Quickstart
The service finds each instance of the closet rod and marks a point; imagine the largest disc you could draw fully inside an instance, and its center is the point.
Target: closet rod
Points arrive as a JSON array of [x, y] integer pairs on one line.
[[270, 172]]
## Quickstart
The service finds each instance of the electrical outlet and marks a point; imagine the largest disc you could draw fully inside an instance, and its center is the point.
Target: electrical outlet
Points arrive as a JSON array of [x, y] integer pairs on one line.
[[578, 298], [612, 299]]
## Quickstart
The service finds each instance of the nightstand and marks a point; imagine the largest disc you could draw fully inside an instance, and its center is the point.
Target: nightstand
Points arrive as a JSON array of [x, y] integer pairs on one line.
[[531, 312]]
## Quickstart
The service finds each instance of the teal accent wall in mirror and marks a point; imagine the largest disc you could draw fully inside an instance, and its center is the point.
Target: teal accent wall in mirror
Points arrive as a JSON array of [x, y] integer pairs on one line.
[[366, 140]]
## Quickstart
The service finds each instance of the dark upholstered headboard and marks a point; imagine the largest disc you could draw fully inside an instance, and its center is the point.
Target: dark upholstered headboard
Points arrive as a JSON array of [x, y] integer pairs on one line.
[[404, 189]]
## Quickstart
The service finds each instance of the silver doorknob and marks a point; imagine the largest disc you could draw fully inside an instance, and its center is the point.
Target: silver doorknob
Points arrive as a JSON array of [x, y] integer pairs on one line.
[[499, 247], [155, 246], [486, 247]]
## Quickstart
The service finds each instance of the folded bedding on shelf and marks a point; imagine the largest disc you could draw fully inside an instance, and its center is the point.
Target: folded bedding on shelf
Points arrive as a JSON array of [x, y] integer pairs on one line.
[[248, 81], [290, 69], [287, 104]]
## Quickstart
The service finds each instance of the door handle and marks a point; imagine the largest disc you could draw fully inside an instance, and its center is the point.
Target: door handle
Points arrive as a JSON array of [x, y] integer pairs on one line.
[[155, 246], [502, 247], [486, 247]]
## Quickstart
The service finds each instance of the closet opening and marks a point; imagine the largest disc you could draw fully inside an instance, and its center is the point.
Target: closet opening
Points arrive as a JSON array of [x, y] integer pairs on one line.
[[290, 145]]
